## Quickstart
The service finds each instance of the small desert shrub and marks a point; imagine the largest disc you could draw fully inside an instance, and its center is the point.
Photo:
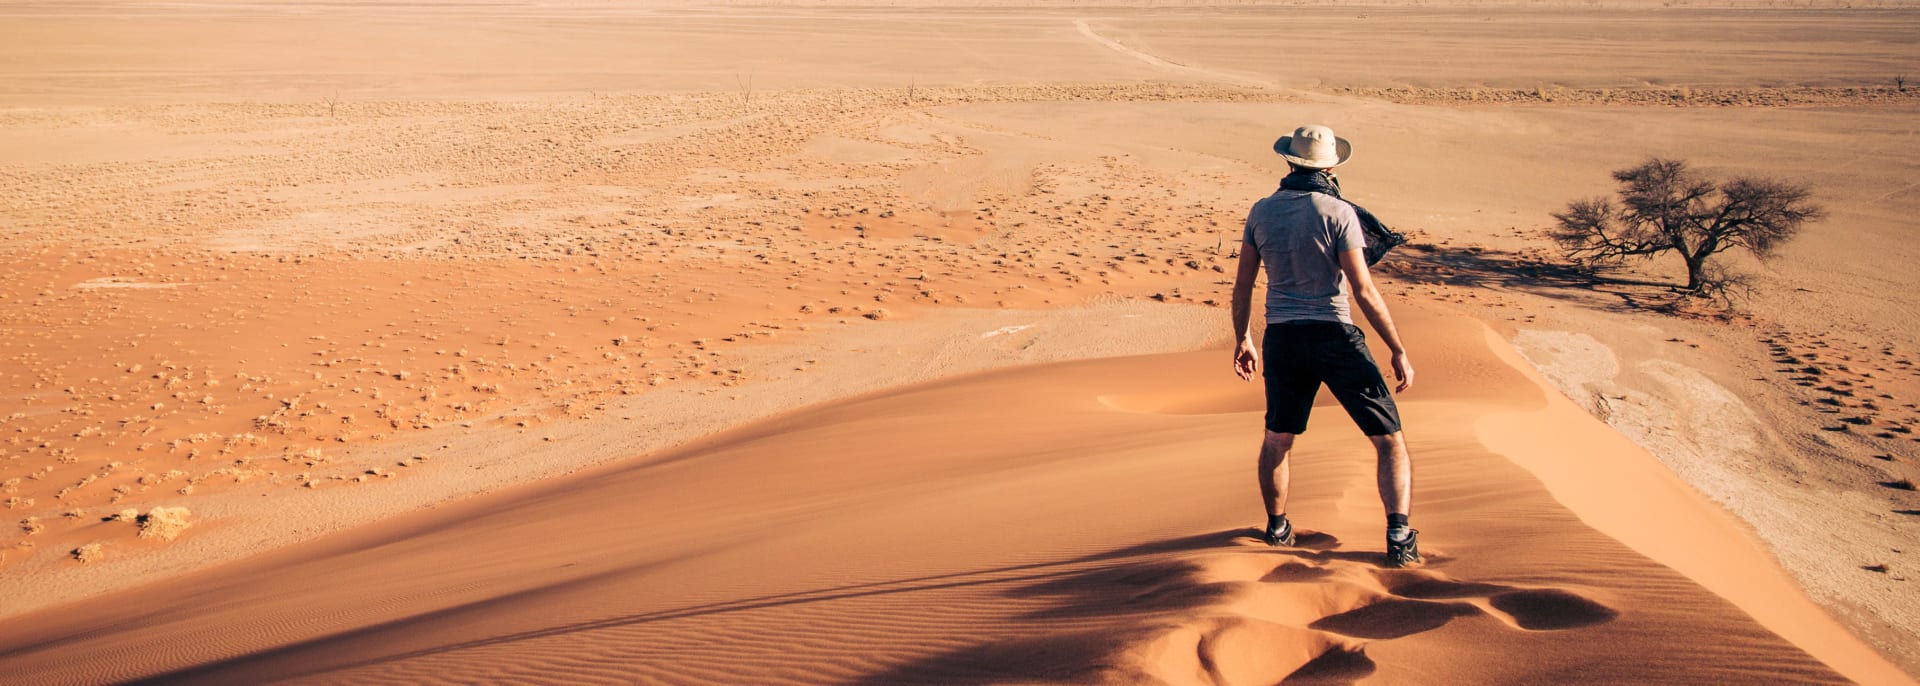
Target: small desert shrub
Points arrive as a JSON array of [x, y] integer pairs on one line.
[[87, 553], [164, 523]]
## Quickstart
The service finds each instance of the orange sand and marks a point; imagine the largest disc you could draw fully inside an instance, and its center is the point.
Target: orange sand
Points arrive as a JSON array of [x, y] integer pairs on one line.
[[622, 342], [1035, 524]]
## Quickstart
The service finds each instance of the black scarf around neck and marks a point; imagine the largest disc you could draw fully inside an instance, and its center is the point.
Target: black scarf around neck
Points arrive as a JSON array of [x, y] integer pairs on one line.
[[1380, 239]]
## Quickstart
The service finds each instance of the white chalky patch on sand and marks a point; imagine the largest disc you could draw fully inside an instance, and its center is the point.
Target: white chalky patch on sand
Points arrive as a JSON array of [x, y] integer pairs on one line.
[[1006, 330], [1578, 364]]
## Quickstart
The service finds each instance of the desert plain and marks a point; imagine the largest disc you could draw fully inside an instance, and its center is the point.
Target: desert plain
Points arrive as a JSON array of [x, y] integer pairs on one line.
[[641, 342]]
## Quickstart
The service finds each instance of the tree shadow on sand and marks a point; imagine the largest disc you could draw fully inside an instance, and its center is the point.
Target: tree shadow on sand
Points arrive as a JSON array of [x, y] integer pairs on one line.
[[1535, 273]]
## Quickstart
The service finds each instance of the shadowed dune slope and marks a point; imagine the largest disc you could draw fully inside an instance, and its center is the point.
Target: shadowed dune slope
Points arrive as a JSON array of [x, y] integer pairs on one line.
[[1081, 522]]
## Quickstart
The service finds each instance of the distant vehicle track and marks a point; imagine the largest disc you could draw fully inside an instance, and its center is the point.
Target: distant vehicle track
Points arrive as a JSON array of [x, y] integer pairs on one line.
[[1086, 29]]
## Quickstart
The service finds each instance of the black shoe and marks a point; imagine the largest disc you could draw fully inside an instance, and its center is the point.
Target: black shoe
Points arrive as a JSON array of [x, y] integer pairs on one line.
[[1404, 553], [1280, 538]]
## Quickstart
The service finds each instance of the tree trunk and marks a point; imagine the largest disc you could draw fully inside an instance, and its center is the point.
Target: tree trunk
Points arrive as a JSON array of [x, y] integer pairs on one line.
[[1696, 274]]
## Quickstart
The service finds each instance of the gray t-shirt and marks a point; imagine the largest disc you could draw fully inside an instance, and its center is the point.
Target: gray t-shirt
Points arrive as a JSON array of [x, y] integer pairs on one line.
[[1300, 236]]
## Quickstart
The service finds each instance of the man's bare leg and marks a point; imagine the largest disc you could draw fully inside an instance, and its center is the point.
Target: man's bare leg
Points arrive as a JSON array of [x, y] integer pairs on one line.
[[1275, 474], [1395, 479], [1395, 472]]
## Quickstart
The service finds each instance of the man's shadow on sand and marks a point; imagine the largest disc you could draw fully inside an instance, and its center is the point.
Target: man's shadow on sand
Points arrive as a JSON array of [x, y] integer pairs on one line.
[[1140, 582], [1089, 587], [1101, 622], [1142, 592]]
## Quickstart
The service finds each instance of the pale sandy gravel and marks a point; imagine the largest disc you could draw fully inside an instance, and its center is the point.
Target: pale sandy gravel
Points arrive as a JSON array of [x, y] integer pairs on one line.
[[1530, 159]]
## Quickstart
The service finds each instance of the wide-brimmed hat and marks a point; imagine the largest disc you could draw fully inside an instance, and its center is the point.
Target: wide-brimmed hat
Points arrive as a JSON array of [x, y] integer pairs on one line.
[[1315, 147]]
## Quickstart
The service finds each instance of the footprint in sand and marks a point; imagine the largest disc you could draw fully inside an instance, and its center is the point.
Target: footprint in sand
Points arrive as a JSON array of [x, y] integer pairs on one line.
[[1296, 572], [1394, 618], [1226, 608], [1338, 665], [1369, 602], [1417, 601], [1551, 609]]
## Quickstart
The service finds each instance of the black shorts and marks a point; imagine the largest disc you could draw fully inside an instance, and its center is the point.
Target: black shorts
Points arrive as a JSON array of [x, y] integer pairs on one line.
[[1301, 355]]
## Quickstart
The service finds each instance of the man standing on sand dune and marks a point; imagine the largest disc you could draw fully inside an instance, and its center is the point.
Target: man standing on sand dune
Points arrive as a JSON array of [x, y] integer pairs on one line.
[[1312, 245]]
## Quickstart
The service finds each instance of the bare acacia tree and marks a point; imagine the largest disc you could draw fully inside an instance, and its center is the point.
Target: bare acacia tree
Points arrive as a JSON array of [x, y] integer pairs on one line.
[[1666, 207]]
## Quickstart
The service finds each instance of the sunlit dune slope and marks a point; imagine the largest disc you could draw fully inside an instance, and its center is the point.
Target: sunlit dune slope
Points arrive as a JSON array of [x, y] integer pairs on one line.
[[1045, 524]]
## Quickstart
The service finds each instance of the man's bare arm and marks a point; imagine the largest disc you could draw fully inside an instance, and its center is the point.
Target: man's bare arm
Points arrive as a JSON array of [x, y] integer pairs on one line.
[[1353, 263], [1245, 360]]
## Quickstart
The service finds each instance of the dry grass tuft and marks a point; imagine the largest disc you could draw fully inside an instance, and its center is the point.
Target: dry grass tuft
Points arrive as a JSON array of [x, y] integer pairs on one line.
[[87, 553], [164, 523]]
